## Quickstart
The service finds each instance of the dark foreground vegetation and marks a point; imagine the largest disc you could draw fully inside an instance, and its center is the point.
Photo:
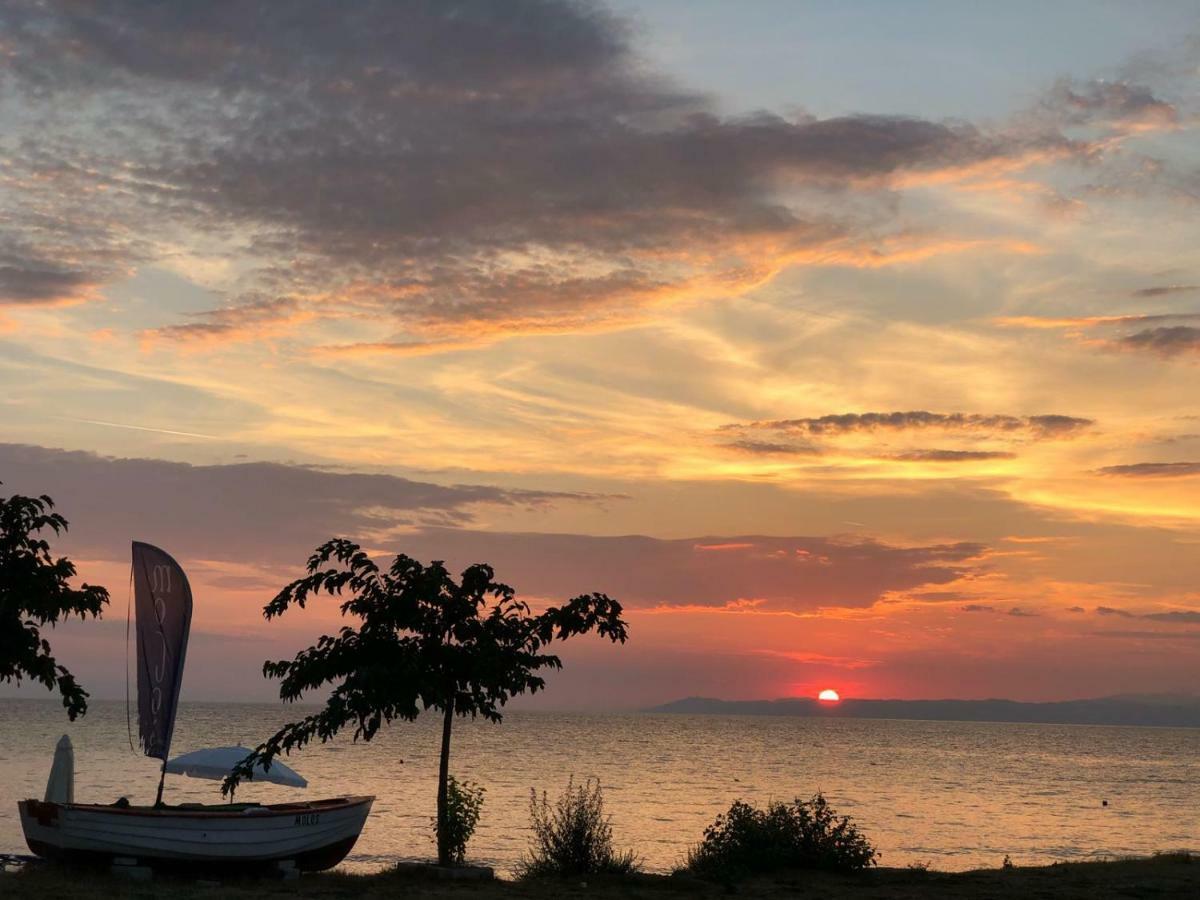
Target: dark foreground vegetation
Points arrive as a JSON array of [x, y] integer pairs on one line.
[[1167, 876], [572, 838], [804, 834]]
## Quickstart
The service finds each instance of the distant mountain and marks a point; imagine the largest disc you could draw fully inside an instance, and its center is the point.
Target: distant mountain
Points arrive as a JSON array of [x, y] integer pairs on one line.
[[1158, 710]]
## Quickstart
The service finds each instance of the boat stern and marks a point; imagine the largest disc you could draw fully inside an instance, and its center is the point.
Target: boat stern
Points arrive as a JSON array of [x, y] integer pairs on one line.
[[40, 822]]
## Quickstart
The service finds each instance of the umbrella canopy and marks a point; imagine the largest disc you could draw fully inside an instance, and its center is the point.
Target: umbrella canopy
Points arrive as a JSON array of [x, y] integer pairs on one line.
[[60, 787], [217, 762]]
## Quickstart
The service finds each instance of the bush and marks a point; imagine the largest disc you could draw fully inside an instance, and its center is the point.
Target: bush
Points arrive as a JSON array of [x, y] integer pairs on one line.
[[573, 837], [800, 835], [464, 801]]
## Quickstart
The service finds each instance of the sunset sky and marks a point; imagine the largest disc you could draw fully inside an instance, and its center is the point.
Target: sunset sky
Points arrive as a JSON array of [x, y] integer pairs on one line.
[[850, 346]]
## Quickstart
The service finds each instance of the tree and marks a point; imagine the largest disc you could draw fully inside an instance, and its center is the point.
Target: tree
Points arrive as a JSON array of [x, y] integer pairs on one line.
[[35, 591], [424, 641]]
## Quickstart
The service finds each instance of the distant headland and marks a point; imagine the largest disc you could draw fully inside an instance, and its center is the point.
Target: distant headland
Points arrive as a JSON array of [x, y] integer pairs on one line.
[[1171, 711]]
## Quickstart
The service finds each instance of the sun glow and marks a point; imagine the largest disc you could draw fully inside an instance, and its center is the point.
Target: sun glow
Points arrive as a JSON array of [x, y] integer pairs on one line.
[[829, 695]]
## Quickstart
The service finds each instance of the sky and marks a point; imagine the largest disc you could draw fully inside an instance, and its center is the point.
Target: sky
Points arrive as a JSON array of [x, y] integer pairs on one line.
[[849, 346]]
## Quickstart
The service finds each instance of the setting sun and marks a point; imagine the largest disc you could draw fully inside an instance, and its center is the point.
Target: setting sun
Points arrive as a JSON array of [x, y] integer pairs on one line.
[[829, 695]]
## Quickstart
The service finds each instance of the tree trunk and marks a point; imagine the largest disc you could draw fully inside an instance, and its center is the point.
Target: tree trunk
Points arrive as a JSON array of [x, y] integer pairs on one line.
[[443, 777]]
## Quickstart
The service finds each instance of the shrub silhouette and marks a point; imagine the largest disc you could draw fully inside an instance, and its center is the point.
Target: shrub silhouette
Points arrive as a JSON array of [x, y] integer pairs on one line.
[[574, 836], [799, 835], [464, 802]]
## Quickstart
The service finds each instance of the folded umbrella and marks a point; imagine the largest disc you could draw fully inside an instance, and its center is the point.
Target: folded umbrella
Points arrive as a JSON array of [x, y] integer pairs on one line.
[[60, 788]]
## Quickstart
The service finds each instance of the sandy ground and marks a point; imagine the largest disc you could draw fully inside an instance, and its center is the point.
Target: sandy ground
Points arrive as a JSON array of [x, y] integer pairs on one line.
[[1160, 877]]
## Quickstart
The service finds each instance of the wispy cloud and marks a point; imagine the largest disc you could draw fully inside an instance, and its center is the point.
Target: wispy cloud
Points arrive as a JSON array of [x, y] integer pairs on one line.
[[952, 456], [1153, 470], [1164, 334], [1165, 290], [1165, 341], [1041, 426]]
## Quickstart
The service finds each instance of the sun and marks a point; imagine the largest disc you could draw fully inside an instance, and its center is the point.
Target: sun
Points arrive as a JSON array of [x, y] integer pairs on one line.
[[829, 695]]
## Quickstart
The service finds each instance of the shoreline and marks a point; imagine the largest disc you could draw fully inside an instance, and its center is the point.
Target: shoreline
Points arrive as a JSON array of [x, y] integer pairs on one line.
[[1162, 875]]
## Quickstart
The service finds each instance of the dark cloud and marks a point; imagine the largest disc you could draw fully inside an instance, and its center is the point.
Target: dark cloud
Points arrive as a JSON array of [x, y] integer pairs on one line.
[[772, 448], [252, 318], [1190, 617], [1153, 470], [268, 516], [1180, 617], [1115, 104], [1164, 334], [1152, 635], [952, 456], [261, 512], [939, 596], [437, 168], [1056, 425], [1166, 340], [1022, 613], [1044, 426], [29, 286], [1164, 290], [741, 571], [977, 607]]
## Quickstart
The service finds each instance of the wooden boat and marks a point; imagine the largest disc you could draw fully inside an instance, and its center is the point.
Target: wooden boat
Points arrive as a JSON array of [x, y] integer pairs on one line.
[[309, 836], [313, 836]]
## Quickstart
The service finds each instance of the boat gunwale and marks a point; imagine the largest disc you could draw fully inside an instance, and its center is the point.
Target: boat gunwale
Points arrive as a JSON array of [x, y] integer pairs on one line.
[[264, 811]]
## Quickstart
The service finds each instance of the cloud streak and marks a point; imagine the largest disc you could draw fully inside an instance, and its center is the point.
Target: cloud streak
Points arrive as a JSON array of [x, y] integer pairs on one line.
[[1153, 470], [1040, 426], [1166, 335], [952, 456]]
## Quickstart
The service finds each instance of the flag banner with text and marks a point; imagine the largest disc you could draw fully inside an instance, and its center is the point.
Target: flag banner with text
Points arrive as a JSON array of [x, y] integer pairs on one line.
[[163, 605]]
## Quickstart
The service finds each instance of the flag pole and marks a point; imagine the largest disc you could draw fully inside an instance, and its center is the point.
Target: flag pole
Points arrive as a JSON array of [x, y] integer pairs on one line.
[[161, 778]]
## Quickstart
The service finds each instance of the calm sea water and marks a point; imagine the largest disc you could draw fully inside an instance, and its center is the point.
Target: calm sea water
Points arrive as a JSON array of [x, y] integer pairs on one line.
[[955, 795]]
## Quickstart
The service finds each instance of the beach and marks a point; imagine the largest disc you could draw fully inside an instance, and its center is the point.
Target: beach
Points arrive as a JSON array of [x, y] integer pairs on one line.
[[1164, 877]]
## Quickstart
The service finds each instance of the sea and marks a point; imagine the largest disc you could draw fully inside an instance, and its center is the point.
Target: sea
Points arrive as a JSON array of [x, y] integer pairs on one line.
[[950, 795]]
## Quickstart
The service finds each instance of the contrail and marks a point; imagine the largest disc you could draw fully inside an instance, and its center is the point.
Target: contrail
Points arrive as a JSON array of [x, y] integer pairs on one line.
[[210, 437]]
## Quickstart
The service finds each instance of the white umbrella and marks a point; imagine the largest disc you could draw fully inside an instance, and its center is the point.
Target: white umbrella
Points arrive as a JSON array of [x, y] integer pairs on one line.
[[60, 787], [217, 762]]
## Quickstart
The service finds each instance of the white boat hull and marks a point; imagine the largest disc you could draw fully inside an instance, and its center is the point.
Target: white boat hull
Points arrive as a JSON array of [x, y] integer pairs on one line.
[[315, 835]]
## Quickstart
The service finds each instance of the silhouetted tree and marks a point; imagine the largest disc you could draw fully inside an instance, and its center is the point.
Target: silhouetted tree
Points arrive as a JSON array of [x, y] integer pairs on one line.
[[35, 592], [424, 641]]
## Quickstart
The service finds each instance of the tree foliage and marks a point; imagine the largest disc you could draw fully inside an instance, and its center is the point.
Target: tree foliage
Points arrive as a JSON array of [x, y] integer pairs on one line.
[[35, 592], [423, 641]]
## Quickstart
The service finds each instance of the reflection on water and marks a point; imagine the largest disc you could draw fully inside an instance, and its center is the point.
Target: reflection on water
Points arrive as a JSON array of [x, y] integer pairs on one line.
[[957, 795]]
